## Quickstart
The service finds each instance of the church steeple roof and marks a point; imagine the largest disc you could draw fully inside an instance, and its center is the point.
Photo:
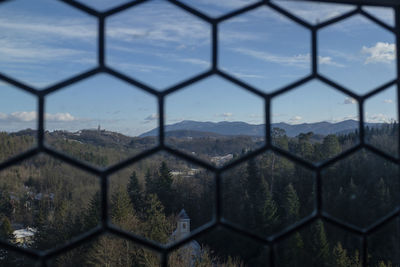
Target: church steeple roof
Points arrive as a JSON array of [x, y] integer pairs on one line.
[[183, 215]]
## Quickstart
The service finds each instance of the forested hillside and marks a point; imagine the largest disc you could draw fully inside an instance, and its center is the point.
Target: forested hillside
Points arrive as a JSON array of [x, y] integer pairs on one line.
[[263, 195]]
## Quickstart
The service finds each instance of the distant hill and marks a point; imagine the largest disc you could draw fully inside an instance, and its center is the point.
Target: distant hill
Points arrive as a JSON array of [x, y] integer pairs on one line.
[[196, 128], [190, 133]]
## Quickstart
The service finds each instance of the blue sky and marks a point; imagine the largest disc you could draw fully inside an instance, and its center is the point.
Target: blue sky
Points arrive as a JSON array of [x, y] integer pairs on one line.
[[45, 41]]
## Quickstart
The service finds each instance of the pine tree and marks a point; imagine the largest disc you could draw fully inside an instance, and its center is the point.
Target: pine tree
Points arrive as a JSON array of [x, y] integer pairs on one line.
[[381, 197], [383, 264], [330, 146], [340, 256], [291, 208], [269, 208], [7, 258], [6, 230], [93, 213], [319, 245], [304, 147], [150, 187], [6, 208], [110, 251], [41, 223], [355, 261], [122, 212], [165, 192], [251, 185], [135, 192], [291, 204], [279, 138], [293, 249], [260, 206], [61, 229], [156, 226]]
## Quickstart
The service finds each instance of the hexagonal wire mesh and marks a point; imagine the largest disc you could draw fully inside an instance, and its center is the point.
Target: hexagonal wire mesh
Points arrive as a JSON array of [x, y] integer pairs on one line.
[[218, 220]]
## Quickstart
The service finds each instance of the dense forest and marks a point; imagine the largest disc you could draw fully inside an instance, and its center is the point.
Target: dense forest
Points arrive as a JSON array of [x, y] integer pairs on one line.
[[264, 195]]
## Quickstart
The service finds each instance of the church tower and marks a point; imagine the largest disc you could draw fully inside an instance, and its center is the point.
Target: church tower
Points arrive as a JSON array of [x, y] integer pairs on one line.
[[183, 227], [191, 250]]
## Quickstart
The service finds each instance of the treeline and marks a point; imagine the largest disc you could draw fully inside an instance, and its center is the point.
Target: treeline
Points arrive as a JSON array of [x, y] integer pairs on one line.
[[263, 195], [148, 210]]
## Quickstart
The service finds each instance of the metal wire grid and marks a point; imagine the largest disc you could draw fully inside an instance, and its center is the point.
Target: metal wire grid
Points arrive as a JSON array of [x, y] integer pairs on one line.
[[218, 220]]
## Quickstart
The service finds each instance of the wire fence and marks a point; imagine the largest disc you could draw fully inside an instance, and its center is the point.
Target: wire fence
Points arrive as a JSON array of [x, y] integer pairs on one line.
[[218, 220]]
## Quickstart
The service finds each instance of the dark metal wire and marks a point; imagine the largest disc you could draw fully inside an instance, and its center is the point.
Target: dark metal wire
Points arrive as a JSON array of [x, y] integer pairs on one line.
[[218, 221]]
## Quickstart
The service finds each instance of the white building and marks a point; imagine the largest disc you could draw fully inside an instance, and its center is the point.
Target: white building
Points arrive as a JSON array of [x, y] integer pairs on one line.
[[191, 249], [24, 237]]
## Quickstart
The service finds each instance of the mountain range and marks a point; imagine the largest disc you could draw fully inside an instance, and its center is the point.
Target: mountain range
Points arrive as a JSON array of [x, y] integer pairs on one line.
[[197, 128]]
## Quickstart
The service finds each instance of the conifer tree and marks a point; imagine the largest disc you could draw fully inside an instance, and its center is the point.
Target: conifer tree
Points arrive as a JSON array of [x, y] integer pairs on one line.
[[165, 192], [93, 213], [165, 176], [355, 261], [60, 230], [319, 245], [269, 208], [304, 146], [135, 192], [252, 205], [383, 264], [7, 258], [260, 205], [5, 204], [382, 197], [6, 230], [150, 181], [340, 256], [294, 254], [122, 212], [330, 146], [156, 226], [41, 224], [291, 209], [291, 204]]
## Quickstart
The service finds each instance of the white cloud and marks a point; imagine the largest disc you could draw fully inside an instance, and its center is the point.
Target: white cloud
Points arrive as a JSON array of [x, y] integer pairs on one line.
[[30, 116], [379, 118], [13, 51], [28, 38], [23, 116], [230, 36], [151, 117], [295, 119], [388, 101], [145, 68], [300, 60], [175, 57], [345, 56], [195, 61], [159, 24], [248, 75], [380, 53], [349, 101], [43, 27], [224, 115], [328, 61], [60, 117]]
